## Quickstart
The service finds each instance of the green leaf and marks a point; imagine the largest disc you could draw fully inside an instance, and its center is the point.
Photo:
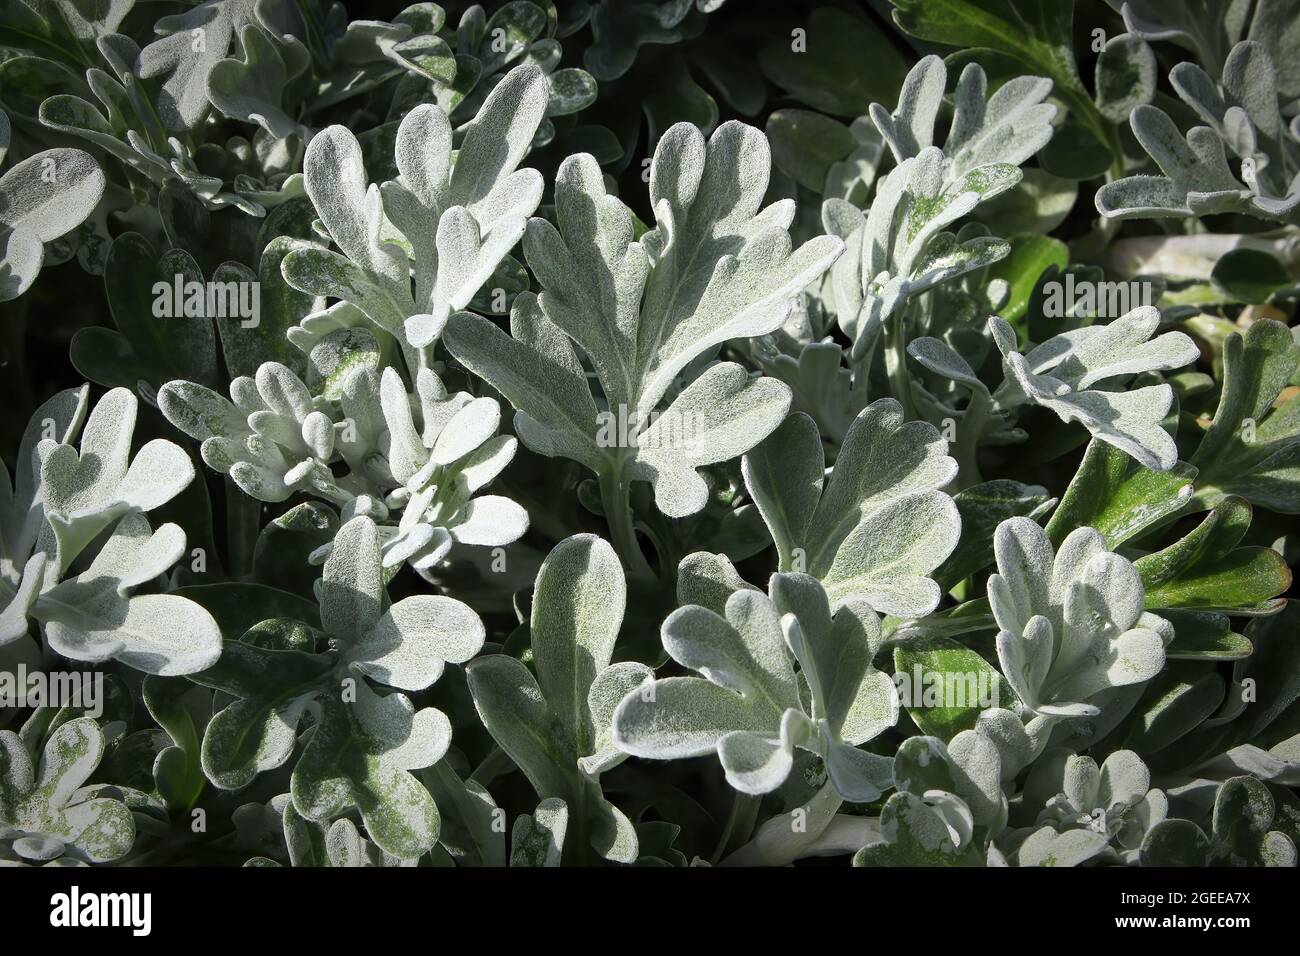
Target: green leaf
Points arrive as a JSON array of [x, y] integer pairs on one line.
[[1118, 496], [1205, 570], [982, 508], [24, 28], [845, 66], [806, 144], [1175, 842], [28, 81], [1205, 635], [1273, 666], [784, 474], [177, 772], [1037, 204], [427, 57], [546, 723], [1248, 450], [619, 33], [280, 308], [284, 546], [948, 686], [237, 606], [1175, 704], [1076, 153], [470, 832], [1250, 275], [1031, 255], [1037, 33], [675, 98], [153, 343]]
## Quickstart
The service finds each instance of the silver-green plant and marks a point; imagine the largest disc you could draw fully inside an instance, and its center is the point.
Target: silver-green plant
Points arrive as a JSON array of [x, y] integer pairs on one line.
[[556, 726], [749, 707], [1241, 116], [419, 247], [1081, 376], [41, 198], [64, 498], [365, 744], [277, 440], [47, 816], [648, 314], [884, 487], [1114, 803], [901, 249], [1071, 621]]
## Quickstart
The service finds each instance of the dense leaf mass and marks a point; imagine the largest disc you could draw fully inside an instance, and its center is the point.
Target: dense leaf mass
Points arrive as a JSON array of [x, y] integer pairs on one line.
[[649, 432]]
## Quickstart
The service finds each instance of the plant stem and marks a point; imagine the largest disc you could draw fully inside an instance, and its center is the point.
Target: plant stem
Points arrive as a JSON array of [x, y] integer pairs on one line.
[[494, 765], [965, 449], [243, 519], [739, 825], [966, 618], [615, 499], [900, 380]]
